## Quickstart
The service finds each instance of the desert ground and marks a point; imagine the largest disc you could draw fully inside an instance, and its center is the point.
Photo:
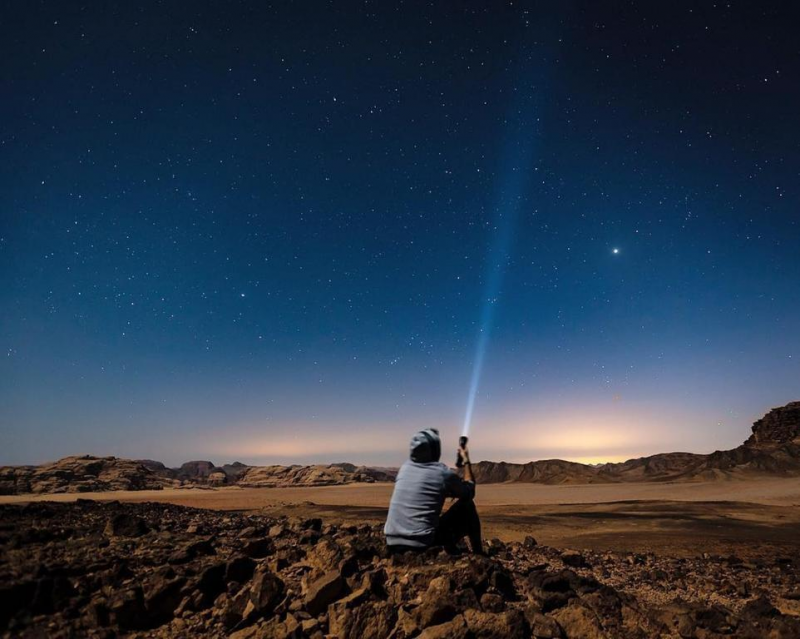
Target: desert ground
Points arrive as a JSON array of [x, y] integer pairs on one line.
[[752, 519]]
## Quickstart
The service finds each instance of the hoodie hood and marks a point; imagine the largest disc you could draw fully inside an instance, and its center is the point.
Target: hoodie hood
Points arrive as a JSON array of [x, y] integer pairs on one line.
[[426, 446]]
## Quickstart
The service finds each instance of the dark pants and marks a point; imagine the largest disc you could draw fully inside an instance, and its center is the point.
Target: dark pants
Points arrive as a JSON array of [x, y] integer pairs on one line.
[[461, 520]]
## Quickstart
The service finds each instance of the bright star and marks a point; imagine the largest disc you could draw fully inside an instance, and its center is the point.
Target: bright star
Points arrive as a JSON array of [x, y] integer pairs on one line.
[[615, 251]]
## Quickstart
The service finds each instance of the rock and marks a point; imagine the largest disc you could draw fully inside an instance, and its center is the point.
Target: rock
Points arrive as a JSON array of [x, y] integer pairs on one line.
[[542, 626], [510, 624], [372, 620], [190, 551], [778, 426], [309, 626], [325, 590], [578, 621], [502, 583], [438, 603], [58, 580], [325, 555], [529, 543], [127, 609], [574, 559], [265, 593], [211, 583], [239, 569], [259, 548], [276, 531], [217, 478], [492, 602], [162, 597], [126, 525], [454, 629]]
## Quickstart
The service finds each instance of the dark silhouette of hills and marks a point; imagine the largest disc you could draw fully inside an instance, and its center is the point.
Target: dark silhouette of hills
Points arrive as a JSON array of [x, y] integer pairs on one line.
[[773, 449]]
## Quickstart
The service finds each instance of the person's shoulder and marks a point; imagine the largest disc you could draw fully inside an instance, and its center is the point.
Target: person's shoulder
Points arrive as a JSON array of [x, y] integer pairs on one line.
[[445, 469]]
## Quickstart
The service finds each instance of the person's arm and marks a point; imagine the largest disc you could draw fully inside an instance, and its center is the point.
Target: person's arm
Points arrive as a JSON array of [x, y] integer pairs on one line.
[[468, 476], [457, 487]]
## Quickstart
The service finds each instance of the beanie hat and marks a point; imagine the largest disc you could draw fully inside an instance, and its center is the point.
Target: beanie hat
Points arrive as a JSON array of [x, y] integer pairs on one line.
[[426, 446]]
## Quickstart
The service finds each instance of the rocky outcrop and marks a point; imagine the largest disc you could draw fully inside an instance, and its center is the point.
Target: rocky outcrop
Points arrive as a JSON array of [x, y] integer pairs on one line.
[[320, 475], [778, 426], [84, 474], [772, 449], [197, 470], [158, 570], [548, 471], [235, 470], [79, 474]]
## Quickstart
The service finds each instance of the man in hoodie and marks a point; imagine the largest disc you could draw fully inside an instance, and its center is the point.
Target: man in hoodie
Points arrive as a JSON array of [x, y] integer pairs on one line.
[[415, 519]]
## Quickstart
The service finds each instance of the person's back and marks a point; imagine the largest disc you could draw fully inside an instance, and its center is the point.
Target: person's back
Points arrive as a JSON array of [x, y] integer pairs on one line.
[[422, 485], [417, 500]]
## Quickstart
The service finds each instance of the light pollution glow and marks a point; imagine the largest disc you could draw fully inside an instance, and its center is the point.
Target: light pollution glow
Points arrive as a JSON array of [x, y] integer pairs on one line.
[[590, 435]]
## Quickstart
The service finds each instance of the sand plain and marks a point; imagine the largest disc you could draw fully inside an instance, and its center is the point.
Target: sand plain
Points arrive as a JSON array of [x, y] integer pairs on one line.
[[751, 519]]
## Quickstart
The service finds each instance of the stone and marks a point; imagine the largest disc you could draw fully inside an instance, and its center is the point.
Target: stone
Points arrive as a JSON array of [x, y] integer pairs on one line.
[[258, 548], [510, 624], [162, 597], [578, 621], [574, 559], [126, 525], [127, 609], [453, 629], [542, 626], [57, 580], [325, 555], [438, 603], [492, 602], [211, 582], [324, 591], [265, 593], [239, 569], [371, 620]]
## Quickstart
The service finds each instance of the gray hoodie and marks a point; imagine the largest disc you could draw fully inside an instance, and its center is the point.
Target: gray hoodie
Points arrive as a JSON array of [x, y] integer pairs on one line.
[[422, 485]]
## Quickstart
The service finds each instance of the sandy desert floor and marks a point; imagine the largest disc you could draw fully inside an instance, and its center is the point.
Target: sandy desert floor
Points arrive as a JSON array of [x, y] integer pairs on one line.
[[757, 518]]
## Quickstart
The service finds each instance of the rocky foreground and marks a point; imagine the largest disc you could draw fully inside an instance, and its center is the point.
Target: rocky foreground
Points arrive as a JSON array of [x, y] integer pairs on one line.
[[157, 570]]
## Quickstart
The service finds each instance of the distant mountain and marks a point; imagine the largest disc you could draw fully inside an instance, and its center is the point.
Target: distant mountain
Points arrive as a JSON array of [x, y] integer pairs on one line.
[[772, 449], [97, 474], [79, 475]]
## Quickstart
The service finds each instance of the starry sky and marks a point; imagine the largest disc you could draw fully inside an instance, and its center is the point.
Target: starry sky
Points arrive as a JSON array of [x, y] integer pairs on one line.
[[281, 232]]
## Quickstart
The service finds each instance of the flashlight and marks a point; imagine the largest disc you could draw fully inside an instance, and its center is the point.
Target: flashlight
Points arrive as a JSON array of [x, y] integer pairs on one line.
[[462, 441]]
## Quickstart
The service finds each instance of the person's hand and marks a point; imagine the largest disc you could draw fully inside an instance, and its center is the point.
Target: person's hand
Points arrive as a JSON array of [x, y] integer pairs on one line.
[[464, 452]]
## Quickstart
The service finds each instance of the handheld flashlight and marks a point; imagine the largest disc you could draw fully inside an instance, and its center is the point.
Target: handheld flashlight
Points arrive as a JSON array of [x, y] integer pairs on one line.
[[462, 441]]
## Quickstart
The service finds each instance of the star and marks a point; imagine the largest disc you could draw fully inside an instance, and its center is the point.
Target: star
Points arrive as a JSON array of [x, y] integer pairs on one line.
[[615, 251]]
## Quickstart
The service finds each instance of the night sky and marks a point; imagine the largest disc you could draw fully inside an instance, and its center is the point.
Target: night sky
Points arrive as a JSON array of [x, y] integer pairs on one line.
[[282, 233]]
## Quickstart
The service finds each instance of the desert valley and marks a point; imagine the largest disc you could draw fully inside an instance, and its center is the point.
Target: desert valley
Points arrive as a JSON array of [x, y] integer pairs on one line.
[[673, 545]]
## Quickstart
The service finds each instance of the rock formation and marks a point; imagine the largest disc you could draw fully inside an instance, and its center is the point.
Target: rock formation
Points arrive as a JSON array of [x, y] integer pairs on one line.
[[320, 475], [778, 426], [158, 570], [772, 449], [78, 475]]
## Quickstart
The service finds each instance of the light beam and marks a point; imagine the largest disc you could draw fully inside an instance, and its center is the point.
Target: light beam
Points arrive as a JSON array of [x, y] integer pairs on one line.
[[510, 201]]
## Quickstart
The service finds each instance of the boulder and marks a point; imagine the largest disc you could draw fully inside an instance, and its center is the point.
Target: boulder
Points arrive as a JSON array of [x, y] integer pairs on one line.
[[453, 629], [126, 525], [510, 624], [324, 591]]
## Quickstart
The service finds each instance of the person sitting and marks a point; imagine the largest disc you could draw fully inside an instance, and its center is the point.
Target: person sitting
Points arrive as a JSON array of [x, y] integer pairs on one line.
[[415, 520]]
